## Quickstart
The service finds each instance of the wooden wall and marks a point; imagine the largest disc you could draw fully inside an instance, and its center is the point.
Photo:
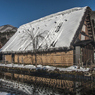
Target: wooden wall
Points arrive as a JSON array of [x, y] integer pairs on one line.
[[8, 58], [55, 59], [88, 54]]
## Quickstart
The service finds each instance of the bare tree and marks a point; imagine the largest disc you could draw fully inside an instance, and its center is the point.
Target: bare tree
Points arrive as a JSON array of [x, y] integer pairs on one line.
[[35, 39]]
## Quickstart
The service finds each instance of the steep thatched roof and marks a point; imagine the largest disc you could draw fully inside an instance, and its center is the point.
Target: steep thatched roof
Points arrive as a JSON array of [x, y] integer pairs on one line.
[[56, 30]]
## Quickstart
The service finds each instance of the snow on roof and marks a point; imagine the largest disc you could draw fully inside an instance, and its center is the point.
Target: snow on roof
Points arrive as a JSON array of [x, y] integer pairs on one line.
[[56, 30]]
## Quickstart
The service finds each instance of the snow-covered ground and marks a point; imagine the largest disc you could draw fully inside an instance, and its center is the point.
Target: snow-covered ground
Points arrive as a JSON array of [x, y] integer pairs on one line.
[[71, 68]]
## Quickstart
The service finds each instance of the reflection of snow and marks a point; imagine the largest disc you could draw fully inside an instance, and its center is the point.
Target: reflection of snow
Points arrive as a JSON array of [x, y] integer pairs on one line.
[[71, 68], [27, 89], [4, 93], [17, 86]]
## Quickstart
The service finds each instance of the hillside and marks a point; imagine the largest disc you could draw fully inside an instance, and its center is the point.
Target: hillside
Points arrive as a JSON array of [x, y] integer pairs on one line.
[[7, 28], [6, 32]]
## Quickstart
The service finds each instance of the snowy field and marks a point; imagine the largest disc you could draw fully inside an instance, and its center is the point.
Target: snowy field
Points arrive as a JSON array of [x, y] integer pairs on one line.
[[52, 68]]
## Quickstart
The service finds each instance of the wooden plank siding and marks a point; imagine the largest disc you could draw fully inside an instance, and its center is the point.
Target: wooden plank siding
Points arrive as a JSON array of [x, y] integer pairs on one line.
[[87, 54], [55, 59]]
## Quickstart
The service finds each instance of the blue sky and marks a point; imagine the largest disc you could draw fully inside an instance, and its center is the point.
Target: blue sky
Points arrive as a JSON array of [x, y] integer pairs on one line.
[[18, 12]]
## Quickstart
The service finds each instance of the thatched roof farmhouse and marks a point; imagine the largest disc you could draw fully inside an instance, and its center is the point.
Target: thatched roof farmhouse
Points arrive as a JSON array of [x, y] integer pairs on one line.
[[64, 37]]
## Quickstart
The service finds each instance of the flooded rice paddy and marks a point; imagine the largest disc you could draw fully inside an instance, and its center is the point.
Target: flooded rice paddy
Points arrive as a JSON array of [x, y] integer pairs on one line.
[[20, 86]]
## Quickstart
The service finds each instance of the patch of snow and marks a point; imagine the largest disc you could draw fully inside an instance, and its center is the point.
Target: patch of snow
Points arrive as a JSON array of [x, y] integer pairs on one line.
[[52, 68]]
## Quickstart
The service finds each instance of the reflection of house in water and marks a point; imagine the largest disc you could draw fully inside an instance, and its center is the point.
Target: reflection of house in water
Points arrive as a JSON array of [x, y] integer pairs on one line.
[[94, 56], [14, 87], [77, 88], [63, 38], [69, 87], [24, 89], [43, 86]]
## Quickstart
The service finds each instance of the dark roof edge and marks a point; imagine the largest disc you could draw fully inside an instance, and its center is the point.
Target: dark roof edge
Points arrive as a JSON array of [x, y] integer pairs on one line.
[[87, 11], [50, 50]]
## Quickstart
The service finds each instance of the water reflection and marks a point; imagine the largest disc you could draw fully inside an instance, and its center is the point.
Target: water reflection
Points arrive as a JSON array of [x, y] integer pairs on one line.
[[17, 88], [9, 86], [4, 93]]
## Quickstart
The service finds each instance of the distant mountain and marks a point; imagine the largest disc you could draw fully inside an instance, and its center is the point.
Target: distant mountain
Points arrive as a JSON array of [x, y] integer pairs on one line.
[[7, 28], [6, 32]]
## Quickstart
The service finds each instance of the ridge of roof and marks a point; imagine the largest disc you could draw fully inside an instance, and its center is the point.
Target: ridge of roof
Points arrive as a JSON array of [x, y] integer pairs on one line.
[[55, 14]]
